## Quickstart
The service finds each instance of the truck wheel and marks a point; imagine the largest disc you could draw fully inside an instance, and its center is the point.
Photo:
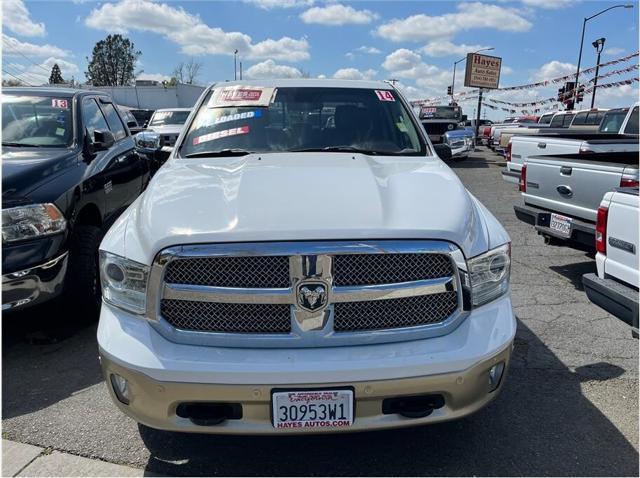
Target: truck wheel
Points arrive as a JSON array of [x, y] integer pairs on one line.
[[82, 285]]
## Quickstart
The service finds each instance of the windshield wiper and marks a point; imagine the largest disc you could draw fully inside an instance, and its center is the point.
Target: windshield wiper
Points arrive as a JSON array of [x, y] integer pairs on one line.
[[218, 153], [336, 149], [25, 145]]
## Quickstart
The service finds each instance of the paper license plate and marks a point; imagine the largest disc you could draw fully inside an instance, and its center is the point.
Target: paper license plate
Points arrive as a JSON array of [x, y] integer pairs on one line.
[[312, 409], [435, 137], [561, 224]]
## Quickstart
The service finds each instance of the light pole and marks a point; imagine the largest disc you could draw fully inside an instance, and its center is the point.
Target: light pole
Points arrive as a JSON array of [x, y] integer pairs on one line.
[[455, 63], [599, 46], [584, 24], [235, 65]]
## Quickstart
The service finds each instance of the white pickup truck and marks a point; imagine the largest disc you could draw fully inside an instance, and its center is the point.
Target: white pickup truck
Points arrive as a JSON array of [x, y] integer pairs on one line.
[[615, 286], [304, 262], [558, 142]]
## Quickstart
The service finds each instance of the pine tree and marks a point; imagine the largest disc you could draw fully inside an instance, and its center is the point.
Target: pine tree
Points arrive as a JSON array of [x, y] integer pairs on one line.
[[56, 76]]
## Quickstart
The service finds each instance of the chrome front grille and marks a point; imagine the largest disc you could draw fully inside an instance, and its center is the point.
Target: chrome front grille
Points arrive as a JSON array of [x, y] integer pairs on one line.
[[368, 269], [306, 294], [234, 318], [394, 313], [246, 272]]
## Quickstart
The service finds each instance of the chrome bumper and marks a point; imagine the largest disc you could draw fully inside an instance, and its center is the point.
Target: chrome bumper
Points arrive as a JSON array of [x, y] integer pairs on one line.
[[34, 285]]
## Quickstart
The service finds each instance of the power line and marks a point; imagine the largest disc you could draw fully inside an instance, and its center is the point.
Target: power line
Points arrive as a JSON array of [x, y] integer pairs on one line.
[[32, 77], [12, 48], [19, 79]]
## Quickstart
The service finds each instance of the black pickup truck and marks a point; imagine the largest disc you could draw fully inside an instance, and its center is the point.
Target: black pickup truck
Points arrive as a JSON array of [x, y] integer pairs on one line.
[[69, 168]]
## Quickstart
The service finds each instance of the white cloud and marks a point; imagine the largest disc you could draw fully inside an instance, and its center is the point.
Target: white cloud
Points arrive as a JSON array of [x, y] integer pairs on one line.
[[322, 77], [16, 17], [159, 77], [371, 50], [469, 16], [188, 31], [613, 51], [554, 69], [354, 74], [446, 48], [270, 69], [272, 4], [549, 4], [13, 47], [337, 14], [506, 70]]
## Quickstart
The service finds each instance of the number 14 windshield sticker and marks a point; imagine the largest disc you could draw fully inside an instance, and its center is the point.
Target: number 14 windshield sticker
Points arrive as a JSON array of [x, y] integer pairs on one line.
[[384, 95]]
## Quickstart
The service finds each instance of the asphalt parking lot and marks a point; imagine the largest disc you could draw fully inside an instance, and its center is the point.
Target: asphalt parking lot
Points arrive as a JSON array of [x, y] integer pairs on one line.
[[569, 406]]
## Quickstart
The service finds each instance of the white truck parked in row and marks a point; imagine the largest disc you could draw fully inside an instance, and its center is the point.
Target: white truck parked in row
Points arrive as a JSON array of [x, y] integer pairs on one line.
[[303, 262], [615, 286], [557, 142]]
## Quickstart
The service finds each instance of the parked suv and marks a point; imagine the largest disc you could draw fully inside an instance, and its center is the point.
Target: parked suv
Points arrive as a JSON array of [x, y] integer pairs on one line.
[[304, 262], [69, 168]]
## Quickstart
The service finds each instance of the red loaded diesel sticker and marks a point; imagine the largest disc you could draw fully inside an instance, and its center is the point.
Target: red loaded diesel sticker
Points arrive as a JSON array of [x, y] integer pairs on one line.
[[240, 95], [220, 134]]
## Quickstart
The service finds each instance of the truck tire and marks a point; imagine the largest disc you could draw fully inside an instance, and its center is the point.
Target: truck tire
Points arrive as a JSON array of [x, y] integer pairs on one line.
[[82, 285]]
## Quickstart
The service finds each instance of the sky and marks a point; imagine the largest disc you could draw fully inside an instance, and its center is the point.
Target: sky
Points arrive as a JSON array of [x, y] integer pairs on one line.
[[413, 42]]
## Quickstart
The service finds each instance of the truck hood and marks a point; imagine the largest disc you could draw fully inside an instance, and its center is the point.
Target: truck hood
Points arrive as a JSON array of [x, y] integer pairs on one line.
[[26, 169], [302, 196]]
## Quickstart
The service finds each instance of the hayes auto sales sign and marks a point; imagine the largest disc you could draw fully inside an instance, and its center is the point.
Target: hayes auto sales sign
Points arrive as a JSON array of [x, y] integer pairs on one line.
[[482, 71]]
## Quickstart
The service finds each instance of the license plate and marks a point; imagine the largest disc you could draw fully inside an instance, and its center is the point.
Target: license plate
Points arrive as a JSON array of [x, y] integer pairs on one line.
[[435, 137], [312, 409], [561, 224]]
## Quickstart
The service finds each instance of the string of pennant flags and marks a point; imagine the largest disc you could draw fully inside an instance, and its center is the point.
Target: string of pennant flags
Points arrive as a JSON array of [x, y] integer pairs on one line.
[[464, 95], [492, 103]]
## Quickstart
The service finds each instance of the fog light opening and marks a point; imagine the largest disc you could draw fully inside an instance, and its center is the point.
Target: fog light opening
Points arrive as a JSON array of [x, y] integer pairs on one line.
[[120, 388], [495, 376]]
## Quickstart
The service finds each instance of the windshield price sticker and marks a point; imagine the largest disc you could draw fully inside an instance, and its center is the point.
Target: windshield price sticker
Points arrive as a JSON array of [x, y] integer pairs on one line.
[[59, 103], [428, 111], [384, 95], [241, 96], [313, 409], [220, 134]]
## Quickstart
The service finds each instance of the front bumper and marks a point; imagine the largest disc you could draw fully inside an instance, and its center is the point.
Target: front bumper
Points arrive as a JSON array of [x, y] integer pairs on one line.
[[162, 374], [582, 233], [35, 285], [462, 152], [616, 298]]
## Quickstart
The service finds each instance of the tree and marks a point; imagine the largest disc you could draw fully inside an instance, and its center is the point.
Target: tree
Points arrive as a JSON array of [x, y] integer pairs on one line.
[[56, 76], [187, 73], [12, 82], [112, 62]]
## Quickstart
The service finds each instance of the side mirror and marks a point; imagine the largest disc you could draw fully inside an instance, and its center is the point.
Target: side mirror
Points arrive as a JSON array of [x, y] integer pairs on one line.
[[443, 151], [102, 140], [132, 124], [147, 142]]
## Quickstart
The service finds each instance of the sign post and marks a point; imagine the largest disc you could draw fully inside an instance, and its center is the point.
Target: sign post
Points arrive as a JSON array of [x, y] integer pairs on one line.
[[482, 71]]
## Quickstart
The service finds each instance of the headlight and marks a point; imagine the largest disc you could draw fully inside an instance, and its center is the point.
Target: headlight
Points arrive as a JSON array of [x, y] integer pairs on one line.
[[489, 274], [29, 222], [124, 282]]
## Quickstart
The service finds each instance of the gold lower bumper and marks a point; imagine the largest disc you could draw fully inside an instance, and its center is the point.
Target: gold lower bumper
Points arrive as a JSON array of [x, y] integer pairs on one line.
[[154, 403]]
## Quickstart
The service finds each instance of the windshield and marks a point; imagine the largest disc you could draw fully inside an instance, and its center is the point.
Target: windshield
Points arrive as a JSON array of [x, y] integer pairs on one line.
[[161, 118], [305, 119], [441, 112], [40, 121]]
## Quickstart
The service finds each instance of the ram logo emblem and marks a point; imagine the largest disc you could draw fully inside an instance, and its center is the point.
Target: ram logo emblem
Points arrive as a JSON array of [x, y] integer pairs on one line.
[[312, 296]]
